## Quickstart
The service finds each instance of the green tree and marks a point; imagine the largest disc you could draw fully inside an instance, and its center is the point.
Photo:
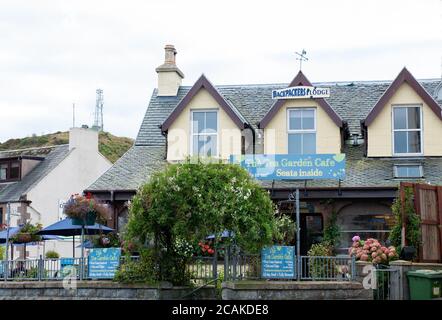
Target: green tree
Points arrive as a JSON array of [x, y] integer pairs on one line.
[[188, 201]]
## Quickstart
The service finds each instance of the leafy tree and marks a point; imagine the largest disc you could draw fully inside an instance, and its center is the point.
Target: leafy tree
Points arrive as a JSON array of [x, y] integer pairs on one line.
[[412, 220], [188, 201]]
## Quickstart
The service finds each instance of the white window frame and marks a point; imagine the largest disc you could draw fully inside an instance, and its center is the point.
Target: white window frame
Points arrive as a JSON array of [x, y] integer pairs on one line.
[[393, 130], [291, 131], [192, 134], [421, 170]]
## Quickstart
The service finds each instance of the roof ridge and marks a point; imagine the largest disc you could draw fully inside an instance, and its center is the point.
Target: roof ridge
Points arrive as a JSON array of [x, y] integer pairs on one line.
[[313, 82], [35, 148]]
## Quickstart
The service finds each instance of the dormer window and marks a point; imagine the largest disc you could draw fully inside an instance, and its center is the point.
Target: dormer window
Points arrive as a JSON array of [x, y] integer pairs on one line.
[[408, 171], [407, 130], [9, 171]]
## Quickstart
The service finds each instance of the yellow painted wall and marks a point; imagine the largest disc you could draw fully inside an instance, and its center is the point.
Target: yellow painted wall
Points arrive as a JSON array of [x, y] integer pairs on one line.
[[380, 142], [328, 136], [178, 138]]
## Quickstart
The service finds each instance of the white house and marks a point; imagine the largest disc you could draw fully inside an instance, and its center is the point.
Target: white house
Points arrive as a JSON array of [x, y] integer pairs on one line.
[[37, 181]]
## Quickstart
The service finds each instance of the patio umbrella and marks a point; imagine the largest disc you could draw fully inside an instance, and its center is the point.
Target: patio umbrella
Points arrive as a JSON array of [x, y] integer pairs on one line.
[[67, 229], [87, 244]]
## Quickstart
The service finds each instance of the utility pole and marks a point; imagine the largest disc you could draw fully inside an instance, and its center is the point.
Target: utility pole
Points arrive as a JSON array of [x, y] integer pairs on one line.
[[8, 223]]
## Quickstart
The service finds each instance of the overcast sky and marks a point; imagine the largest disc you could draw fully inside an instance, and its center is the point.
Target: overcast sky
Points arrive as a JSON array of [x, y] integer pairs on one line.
[[55, 53]]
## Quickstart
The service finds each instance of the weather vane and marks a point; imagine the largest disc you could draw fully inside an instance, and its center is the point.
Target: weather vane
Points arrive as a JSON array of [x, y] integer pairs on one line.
[[302, 57]]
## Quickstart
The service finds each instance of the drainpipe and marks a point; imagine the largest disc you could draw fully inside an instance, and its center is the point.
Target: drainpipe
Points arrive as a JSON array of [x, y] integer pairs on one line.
[[164, 134]]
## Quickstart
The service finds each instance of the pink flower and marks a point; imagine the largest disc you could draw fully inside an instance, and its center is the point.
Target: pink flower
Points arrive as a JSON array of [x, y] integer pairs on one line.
[[374, 255], [356, 238], [373, 249], [364, 257]]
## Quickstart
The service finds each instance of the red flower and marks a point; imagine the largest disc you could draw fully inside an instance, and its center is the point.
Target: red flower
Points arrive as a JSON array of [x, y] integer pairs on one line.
[[211, 251]]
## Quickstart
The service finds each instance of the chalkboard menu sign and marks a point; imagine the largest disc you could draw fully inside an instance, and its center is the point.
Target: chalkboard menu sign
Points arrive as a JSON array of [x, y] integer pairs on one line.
[[103, 263], [278, 262]]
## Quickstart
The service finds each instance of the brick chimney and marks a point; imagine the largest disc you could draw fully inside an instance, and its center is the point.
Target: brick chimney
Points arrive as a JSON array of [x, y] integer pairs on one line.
[[169, 76]]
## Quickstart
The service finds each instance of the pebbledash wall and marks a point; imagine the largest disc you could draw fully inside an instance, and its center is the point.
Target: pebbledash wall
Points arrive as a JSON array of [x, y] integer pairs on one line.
[[356, 120]]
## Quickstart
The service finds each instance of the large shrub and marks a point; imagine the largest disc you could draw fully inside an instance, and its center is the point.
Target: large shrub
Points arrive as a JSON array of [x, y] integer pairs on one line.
[[189, 201]]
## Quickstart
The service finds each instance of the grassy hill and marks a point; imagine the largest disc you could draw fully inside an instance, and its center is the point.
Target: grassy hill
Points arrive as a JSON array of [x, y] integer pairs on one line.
[[112, 147]]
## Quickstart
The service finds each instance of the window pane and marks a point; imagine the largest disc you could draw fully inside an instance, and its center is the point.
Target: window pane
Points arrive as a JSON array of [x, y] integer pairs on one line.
[[295, 120], [14, 173], [414, 142], [400, 118], [414, 171], [210, 146], [414, 115], [400, 142], [401, 171], [198, 122], [308, 119], [309, 143], [211, 125], [195, 146], [3, 170], [295, 143]]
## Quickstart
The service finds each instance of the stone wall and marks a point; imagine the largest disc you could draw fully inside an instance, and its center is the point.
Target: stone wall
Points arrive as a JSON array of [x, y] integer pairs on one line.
[[293, 290], [96, 290]]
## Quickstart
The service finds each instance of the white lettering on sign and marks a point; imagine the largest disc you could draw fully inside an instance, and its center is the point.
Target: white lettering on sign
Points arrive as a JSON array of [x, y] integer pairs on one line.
[[301, 92]]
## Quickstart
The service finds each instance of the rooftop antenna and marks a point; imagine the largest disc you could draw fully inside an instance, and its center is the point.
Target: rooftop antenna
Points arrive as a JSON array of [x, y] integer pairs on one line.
[[301, 57], [98, 114]]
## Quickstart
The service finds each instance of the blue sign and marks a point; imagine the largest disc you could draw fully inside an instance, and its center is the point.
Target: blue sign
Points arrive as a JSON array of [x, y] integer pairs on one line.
[[278, 262], [103, 263], [293, 166]]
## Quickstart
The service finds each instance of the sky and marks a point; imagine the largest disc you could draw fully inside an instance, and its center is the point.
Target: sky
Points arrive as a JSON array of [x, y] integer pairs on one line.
[[56, 53]]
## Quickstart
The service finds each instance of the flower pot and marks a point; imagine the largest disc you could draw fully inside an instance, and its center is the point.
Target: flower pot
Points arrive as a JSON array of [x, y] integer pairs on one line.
[[88, 220]]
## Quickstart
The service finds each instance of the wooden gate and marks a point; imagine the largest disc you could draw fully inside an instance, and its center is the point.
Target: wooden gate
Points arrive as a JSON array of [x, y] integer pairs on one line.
[[428, 205]]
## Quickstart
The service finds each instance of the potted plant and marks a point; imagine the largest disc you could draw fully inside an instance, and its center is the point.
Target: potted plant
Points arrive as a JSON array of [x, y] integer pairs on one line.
[[84, 210], [27, 233]]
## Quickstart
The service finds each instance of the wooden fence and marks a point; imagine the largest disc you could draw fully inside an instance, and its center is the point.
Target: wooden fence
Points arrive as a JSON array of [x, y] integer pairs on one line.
[[428, 205]]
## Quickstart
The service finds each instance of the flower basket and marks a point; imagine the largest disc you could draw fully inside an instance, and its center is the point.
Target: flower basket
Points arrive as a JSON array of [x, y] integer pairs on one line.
[[88, 220]]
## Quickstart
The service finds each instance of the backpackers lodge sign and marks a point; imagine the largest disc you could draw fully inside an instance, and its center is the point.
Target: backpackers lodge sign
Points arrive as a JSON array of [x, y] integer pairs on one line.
[[301, 92]]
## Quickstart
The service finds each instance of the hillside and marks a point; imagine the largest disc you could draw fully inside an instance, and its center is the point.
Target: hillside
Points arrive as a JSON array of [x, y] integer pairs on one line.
[[110, 146]]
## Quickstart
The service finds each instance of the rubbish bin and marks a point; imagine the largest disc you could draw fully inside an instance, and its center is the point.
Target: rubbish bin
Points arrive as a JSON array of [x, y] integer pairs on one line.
[[425, 284]]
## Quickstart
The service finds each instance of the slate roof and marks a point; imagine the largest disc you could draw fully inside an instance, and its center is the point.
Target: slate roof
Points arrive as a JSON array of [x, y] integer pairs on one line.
[[352, 101], [133, 168], [13, 191]]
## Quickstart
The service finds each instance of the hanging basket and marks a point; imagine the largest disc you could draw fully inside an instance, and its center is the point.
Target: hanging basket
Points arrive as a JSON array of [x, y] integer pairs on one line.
[[23, 237], [88, 220]]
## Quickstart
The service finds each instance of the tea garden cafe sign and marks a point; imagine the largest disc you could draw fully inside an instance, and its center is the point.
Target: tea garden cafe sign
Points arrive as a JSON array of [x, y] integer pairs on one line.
[[278, 262]]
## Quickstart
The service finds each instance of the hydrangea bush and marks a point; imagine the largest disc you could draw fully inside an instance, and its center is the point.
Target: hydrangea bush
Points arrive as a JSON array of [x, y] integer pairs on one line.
[[371, 250]]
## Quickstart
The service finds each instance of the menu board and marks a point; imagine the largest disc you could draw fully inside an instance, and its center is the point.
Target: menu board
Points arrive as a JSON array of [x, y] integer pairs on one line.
[[278, 262], [103, 263]]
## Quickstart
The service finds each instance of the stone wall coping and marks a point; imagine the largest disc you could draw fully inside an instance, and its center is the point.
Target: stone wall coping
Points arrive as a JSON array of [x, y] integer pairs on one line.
[[82, 285], [291, 285], [415, 264]]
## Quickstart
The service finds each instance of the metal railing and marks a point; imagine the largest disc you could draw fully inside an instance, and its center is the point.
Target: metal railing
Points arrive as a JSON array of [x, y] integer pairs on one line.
[[313, 268], [325, 268], [387, 283], [47, 269]]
